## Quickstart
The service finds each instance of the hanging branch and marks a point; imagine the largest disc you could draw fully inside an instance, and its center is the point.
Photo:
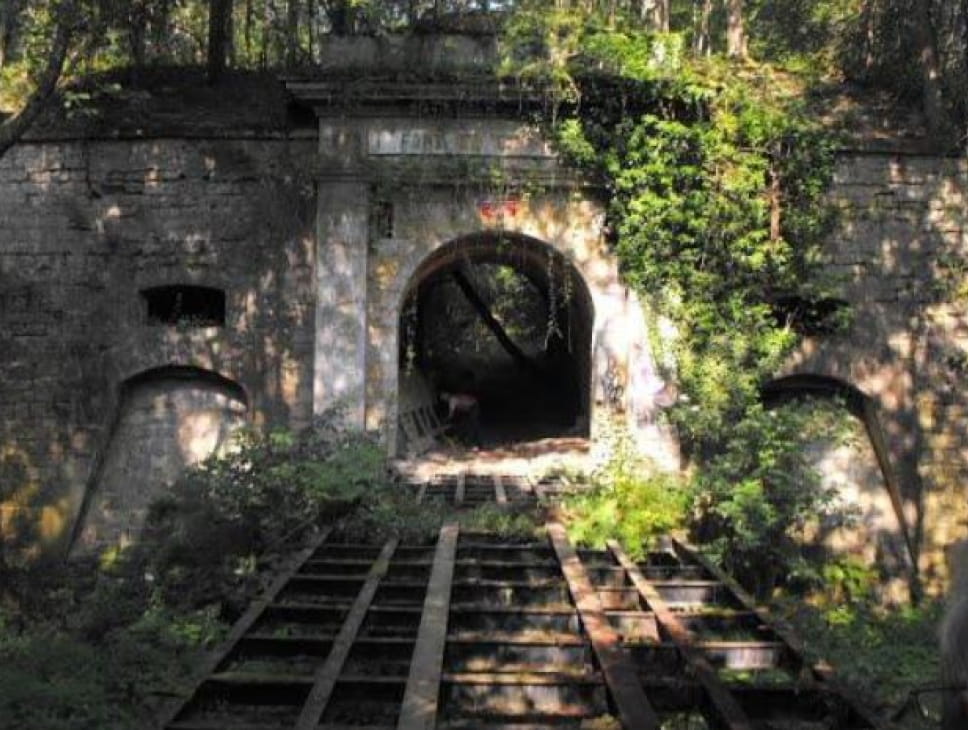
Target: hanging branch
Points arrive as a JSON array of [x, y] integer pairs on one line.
[[484, 312], [13, 128]]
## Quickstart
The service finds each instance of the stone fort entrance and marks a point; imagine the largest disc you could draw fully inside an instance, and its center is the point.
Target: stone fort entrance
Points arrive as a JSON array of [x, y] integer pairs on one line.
[[408, 201]]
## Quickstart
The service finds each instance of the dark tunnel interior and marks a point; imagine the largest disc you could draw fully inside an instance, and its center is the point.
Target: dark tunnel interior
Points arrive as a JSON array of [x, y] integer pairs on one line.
[[507, 321]]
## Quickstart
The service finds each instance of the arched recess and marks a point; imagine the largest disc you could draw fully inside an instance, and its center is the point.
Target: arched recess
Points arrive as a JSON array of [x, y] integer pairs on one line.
[[872, 518], [167, 418], [508, 318]]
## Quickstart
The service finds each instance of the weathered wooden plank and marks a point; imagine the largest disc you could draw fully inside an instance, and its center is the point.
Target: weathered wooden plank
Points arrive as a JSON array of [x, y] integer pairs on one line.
[[725, 704], [419, 710], [633, 706], [324, 680], [245, 622]]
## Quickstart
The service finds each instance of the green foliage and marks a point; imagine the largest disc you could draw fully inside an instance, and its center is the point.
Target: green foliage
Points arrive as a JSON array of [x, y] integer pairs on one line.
[[691, 215], [717, 177], [202, 539], [387, 510], [627, 501], [56, 674], [755, 499], [496, 520], [881, 653]]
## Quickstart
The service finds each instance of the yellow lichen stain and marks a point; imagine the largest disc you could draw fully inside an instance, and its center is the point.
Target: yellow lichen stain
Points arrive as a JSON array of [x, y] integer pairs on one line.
[[386, 272], [53, 523]]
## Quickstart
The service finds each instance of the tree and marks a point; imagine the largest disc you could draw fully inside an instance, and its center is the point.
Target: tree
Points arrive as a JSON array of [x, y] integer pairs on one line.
[[9, 28], [932, 97], [701, 44], [736, 44], [65, 17], [219, 37]]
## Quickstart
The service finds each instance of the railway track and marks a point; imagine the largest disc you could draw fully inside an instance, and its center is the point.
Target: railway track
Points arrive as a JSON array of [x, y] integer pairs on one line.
[[474, 631]]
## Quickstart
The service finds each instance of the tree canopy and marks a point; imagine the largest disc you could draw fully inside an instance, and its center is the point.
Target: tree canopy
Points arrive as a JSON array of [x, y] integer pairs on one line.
[[913, 49]]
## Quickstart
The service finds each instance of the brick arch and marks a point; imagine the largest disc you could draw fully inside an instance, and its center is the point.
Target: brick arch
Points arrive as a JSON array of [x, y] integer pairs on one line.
[[167, 418], [865, 409], [526, 253]]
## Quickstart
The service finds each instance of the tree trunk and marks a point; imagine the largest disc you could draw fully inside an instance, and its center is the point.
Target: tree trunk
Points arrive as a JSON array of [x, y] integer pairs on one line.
[[247, 31], [311, 13], [266, 32], [138, 33], [9, 27], [655, 15], [662, 16], [218, 37], [701, 45], [735, 30], [932, 99], [776, 199], [292, 33], [339, 17], [484, 312], [14, 127], [868, 16]]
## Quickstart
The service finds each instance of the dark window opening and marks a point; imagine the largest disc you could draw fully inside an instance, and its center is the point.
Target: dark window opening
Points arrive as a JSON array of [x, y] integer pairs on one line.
[[811, 316], [382, 219], [192, 306]]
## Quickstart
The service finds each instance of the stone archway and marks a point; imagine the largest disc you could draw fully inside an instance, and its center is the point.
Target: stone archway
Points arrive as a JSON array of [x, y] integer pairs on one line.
[[530, 367], [859, 470], [168, 418]]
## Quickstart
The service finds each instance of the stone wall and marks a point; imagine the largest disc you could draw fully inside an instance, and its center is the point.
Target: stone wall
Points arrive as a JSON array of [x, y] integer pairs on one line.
[[84, 228], [313, 289], [898, 258], [168, 419]]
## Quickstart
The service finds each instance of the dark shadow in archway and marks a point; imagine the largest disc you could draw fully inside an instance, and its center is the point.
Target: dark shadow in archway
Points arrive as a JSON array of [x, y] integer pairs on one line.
[[795, 387], [507, 319]]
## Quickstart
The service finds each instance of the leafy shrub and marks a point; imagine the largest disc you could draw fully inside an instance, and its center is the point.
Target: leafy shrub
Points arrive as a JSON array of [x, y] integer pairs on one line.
[[754, 500], [388, 510], [880, 653], [500, 521], [201, 541], [628, 501]]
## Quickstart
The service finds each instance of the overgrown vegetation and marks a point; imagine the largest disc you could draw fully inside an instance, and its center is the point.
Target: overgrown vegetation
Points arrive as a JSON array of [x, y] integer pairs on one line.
[[102, 642], [627, 501], [880, 653], [716, 178]]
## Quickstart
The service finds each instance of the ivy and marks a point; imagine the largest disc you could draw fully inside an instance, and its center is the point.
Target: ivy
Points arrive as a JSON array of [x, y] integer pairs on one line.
[[716, 177]]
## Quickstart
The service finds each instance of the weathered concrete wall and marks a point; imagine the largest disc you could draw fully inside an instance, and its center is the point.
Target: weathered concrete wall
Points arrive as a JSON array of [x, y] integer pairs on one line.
[[84, 227], [899, 258]]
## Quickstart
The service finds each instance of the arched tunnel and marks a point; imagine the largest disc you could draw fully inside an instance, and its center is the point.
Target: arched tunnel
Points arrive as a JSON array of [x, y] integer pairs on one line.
[[508, 320]]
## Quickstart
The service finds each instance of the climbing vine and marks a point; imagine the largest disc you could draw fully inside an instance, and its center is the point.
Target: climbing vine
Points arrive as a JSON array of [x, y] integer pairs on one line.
[[716, 176]]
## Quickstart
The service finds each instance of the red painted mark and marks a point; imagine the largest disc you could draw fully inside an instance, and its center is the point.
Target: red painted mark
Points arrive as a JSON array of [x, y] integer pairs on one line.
[[491, 210]]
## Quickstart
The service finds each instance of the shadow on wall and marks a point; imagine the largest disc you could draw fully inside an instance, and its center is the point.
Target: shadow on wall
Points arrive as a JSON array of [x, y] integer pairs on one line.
[[900, 263], [855, 463], [168, 418]]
